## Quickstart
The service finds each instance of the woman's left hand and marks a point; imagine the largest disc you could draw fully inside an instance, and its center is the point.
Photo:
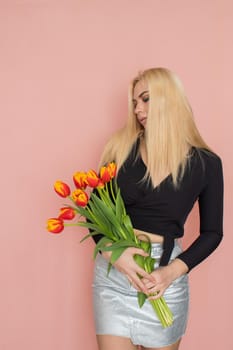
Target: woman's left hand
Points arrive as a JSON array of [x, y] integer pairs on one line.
[[164, 276]]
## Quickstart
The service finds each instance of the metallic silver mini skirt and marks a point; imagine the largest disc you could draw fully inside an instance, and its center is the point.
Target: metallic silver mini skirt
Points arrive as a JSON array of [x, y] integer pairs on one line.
[[116, 307]]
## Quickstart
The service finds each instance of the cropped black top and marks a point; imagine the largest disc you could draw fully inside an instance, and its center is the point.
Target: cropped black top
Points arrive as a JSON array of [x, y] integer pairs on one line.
[[164, 209]]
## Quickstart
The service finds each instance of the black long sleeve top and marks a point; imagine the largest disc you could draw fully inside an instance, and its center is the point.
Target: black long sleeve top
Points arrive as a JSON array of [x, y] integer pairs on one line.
[[163, 210]]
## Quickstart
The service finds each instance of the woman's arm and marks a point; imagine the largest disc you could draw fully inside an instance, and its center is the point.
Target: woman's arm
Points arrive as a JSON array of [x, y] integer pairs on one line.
[[211, 216], [211, 231]]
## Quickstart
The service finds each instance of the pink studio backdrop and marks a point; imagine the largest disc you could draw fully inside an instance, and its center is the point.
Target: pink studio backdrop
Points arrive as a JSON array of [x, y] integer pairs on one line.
[[65, 68]]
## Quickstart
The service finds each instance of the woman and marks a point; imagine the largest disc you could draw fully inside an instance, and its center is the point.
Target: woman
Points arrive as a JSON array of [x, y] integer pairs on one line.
[[164, 166]]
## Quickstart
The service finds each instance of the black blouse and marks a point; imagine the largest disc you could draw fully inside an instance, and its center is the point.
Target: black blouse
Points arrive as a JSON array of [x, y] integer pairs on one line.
[[164, 209]]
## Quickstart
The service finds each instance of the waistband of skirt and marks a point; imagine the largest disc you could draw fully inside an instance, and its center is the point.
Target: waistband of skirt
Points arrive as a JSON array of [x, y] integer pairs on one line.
[[166, 248], [160, 245]]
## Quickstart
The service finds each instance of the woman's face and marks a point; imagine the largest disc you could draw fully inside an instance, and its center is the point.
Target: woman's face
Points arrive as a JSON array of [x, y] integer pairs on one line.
[[141, 101]]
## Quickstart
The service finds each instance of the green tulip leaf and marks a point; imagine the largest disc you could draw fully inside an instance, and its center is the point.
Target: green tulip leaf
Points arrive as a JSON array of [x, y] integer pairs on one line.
[[128, 225], [106, 212], [98, 215], [141, 298], [139, 260], [121, 244], [100, 245], [116, 254], [146, 246], [109, 268], [93, 233], [104, 195], [84, 212], [120, 206]]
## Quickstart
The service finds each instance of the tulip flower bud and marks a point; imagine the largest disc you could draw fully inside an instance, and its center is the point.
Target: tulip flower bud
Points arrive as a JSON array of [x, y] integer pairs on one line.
[[80, 179], [66, 213], [92, 179], [55, 225], [105, 174], [62, 189], [80, 197], [112, 169]]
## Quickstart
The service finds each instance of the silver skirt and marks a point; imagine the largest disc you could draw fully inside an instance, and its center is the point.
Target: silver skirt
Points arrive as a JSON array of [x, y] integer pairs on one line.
[[116, 307]]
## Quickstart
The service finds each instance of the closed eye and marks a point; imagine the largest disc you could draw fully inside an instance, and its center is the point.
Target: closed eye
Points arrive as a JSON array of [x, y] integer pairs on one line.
[[146, 99]]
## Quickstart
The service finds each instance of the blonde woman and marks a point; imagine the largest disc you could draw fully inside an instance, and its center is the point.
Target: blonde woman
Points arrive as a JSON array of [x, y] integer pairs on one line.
[[164, 167]]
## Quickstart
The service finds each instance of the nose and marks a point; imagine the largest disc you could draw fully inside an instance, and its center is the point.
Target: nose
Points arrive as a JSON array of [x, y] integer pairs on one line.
[[139, 107]]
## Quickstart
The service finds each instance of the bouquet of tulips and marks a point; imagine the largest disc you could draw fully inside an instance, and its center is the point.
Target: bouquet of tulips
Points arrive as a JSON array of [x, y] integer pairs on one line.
[[104, 213]]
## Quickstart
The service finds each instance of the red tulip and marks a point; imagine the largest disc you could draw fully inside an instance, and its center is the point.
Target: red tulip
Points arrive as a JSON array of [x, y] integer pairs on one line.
[[92, 179], [105, 174], [62, 189], [66, 213], [80, 179], [80, 197], [100, 184], [55, 225]]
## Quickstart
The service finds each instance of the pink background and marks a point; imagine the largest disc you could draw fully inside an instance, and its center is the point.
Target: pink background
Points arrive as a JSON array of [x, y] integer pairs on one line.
[[65, 68]]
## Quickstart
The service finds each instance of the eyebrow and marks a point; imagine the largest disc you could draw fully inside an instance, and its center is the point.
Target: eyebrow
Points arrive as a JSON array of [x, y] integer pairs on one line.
[[140, 95]]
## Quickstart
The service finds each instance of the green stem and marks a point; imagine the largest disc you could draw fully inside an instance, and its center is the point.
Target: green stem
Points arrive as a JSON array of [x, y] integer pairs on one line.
[[112, 192], [160, 306], [90, 212], [74, 224], [136, 239], [164, 314]]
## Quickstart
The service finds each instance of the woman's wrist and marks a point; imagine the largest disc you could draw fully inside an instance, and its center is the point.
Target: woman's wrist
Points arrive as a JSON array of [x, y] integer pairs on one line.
[[177, 268]]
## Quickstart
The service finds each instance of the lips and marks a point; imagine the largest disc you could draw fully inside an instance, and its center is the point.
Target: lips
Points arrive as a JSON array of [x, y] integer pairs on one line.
[[142, 120]]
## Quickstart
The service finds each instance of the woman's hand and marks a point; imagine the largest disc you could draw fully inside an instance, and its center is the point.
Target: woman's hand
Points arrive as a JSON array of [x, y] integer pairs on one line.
[[127, 265], [164, 276]]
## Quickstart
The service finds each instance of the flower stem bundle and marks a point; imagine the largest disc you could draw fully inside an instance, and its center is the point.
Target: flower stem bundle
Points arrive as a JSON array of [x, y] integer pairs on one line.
[[104, 213]]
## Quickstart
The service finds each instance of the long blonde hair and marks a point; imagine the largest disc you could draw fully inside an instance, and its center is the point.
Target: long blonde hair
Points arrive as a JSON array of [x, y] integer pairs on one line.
[[170, 128]]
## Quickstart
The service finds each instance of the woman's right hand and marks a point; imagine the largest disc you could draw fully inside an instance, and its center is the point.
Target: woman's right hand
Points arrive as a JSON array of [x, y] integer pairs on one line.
[[127, 265]]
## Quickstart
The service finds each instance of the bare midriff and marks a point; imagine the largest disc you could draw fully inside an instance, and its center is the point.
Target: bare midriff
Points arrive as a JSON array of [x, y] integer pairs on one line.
[[154, 238]]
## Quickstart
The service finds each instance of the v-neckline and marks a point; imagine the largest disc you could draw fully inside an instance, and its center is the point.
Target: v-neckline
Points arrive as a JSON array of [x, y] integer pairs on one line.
[[145, 167]]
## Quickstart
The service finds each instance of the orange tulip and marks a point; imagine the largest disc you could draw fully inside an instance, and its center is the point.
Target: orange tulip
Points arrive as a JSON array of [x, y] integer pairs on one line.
[[80, 179], [55, 225], [80, 197], [112, 169], [66, 213], [62, 189], [105, 174], [92, 179]]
